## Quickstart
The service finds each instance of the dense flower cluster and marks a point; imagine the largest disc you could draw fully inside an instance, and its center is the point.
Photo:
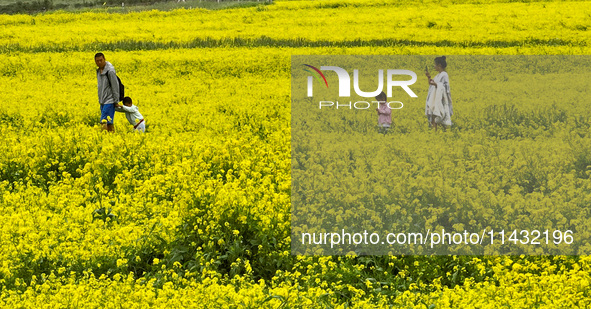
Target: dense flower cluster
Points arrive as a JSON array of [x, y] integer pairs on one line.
[[196, 211]]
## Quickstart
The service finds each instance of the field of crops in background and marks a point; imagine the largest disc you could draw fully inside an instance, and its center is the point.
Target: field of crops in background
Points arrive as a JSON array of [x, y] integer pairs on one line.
[[196, 212], [117, 6]]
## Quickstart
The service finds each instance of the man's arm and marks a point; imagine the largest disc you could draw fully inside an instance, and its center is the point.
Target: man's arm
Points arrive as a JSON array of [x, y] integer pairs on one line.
[[98, 86], [114, 85]]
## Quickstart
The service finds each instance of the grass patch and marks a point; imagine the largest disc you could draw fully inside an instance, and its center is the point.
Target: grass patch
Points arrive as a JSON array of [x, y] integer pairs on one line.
[[265, 41]]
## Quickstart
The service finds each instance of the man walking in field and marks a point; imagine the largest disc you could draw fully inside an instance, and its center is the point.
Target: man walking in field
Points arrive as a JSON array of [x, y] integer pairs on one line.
[[108, 90]]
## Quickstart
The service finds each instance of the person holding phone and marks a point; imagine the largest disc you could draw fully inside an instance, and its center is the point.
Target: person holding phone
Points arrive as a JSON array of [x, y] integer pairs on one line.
[[438, 107]]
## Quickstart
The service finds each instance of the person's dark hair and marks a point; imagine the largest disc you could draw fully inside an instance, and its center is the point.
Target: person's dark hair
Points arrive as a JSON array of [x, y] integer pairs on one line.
[[381, 96], [441, 61], [99, 55], [126, 100]]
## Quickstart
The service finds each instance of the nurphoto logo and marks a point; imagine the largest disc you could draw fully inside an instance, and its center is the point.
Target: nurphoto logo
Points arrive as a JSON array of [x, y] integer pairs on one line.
[[345, 81]]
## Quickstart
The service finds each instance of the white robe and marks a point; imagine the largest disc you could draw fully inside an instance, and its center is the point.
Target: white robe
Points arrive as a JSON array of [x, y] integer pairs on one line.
[[438, 103]]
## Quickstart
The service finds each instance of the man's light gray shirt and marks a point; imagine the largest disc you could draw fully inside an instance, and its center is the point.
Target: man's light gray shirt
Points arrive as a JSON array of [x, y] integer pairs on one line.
[[106, 93]]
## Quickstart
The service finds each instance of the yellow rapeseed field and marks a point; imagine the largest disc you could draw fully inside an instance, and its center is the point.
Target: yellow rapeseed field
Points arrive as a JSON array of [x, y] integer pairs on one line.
[[196, 211]]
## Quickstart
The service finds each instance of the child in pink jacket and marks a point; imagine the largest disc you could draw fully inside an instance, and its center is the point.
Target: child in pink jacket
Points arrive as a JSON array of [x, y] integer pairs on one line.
[[384, 114]]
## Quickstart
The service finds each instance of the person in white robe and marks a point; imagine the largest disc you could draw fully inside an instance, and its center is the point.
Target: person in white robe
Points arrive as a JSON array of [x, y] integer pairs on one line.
[[438, 107]]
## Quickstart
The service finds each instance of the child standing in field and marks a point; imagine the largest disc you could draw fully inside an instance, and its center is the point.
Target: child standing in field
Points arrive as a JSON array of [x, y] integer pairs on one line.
[[384, 113], [132, 114], [438, 107]]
